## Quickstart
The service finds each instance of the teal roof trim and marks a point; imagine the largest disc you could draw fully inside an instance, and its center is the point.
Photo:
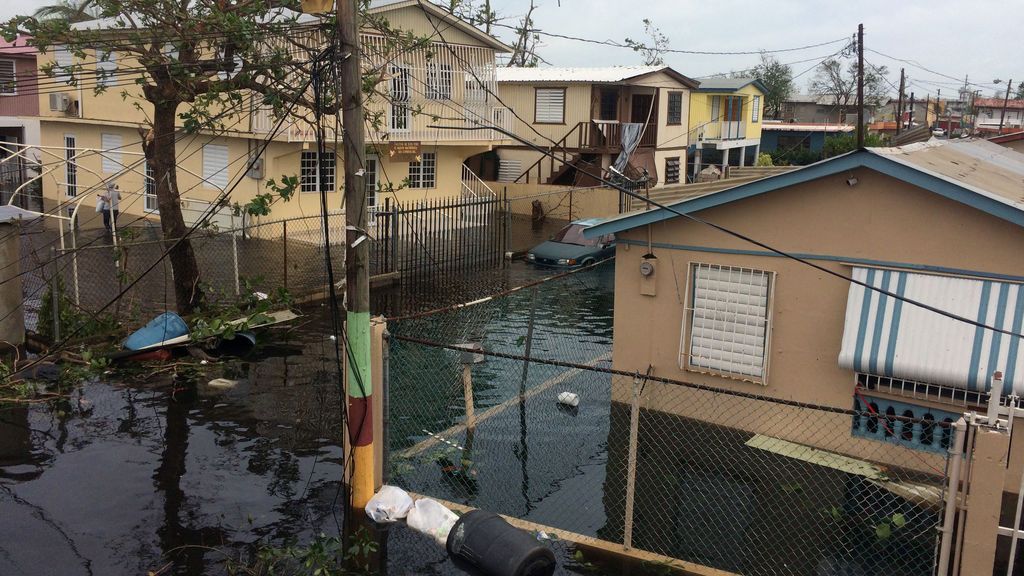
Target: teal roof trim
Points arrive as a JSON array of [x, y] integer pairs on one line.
[[857, 159]]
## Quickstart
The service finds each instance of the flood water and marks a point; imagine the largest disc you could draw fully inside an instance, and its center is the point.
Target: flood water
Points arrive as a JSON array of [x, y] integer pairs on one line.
[[151, 472]]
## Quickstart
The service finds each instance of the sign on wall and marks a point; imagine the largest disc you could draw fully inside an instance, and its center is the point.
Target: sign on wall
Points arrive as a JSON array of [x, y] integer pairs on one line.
[[404, 151]]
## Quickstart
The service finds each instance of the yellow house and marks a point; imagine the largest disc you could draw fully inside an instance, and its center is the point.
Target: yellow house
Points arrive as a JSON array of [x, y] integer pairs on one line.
[[587, 116], [725, 122], [89, 139]]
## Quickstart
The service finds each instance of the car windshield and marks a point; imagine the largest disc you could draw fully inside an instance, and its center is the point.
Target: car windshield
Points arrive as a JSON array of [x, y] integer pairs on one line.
[[573, 234]]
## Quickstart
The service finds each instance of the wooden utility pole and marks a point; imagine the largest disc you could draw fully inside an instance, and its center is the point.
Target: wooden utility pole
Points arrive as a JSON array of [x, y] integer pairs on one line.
[[910, 115], [860, 86], [357, 317], [899, 105], [1006, 100]]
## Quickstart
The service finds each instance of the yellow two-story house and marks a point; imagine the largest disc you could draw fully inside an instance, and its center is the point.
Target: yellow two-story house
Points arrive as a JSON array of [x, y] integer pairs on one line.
[[90, 139], [725, 122]]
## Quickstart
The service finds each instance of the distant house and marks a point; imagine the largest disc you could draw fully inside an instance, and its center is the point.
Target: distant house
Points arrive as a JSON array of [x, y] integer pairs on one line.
[[822, 108], [718, 311], [587, 116], [990, 110], [783, 136], [725, 121], [19, 111]]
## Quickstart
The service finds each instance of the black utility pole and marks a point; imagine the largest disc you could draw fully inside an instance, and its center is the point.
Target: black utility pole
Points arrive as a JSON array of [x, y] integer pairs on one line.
[[899, 105], [1006, 100], [860, 86]]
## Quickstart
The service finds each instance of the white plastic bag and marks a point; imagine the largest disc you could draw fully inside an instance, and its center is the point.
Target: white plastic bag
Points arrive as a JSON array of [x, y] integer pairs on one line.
[[390, 503], [431, 518]]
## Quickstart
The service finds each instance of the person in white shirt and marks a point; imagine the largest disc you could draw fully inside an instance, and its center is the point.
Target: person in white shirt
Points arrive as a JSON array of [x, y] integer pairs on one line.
[[111, 199]]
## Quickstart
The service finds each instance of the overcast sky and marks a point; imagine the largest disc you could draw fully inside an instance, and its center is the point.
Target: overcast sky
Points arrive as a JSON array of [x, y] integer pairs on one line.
[[950, 38]]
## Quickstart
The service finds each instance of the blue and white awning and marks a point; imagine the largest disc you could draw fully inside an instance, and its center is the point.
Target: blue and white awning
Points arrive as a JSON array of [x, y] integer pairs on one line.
[[886, 336]]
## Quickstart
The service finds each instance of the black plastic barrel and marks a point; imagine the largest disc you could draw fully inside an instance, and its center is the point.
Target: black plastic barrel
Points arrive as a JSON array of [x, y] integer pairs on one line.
[[497, 548]]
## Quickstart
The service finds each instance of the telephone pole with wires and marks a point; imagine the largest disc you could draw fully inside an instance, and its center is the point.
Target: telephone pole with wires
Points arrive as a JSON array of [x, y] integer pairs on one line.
[[860, 86], [1006, 100], [358, 384]]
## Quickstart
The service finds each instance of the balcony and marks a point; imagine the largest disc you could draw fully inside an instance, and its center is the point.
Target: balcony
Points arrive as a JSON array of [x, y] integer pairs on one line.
[[735, 130]]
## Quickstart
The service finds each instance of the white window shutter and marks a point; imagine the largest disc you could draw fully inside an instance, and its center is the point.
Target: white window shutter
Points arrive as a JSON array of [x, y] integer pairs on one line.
[[509, 170], [63, 59], [729, 320], [106, 68], [8, 77], [550, 105], [111, 146], [215, 165]]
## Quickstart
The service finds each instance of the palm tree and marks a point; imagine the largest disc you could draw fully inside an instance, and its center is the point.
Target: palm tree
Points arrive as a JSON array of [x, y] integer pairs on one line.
[[70, 10]]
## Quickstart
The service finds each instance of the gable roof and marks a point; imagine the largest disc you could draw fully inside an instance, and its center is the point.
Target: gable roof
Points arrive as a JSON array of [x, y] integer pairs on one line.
[[441, 13], [980, 174], [729, 84], [1011, 104], [596, 75]]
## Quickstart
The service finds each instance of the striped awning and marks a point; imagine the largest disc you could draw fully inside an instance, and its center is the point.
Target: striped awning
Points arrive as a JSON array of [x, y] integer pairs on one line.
[[886, 336]]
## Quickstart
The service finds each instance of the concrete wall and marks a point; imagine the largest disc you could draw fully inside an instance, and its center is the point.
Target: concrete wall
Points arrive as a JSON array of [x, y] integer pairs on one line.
[[770, 140], [825, 217], [556, 200]]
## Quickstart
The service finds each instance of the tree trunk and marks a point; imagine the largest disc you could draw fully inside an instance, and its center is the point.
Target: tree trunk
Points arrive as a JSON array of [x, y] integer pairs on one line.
[[162, 156]]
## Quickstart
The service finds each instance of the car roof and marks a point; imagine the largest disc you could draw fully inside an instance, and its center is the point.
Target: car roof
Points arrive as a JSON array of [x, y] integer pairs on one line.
[[587, 223]]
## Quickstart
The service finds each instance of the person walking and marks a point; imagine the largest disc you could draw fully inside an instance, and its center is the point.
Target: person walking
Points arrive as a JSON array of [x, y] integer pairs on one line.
[[110, 199]]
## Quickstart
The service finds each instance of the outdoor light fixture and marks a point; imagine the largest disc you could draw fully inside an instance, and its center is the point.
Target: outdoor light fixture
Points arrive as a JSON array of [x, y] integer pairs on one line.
[[851, 181]]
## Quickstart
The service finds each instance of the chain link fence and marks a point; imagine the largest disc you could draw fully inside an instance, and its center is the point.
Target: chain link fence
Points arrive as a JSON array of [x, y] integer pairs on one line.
[[536, 425]]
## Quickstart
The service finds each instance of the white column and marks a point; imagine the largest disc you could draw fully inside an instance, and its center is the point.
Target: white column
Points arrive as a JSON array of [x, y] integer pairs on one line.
[[696, 162], [743, 156], [725, 160]]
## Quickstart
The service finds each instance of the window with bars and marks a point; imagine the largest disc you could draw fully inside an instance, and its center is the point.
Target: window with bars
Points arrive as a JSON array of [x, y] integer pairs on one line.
[[106, 68], [8, 78], [370, 180], [400, 118], [423, 174], [549, 106], [675, 108], [728, 321], [70, 166], [310, 174], [672, 170], [476, 91], [755, 109], [150, 190], [439, 81]]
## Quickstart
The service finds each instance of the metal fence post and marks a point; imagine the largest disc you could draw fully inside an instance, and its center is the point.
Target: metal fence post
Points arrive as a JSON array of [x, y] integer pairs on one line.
[[385, 395], [234, 255], [74, 262], [285, 236], [634, 432], [393, 235], [55, 300], [508, 222]]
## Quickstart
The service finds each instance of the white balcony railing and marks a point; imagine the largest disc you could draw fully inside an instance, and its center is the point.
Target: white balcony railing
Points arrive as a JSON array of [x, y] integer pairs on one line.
[[734, 130]]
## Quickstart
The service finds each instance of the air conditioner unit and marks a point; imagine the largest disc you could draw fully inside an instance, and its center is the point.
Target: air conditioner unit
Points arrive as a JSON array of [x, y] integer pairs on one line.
[[256, 169], [59, 102]]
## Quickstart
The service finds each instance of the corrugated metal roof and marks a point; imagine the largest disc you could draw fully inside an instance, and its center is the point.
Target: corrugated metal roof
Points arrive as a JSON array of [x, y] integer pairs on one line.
[[980, 166], [568, 74], [888, 337], [729, 84], [998, 103]]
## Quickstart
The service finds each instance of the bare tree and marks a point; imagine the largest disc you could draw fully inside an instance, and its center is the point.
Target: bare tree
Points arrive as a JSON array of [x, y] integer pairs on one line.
[[524, 50], [839, 84], [654, 49]]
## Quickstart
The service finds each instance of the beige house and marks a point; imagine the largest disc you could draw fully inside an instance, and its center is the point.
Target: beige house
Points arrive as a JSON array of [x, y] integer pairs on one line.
[[90, 139], [719, 311], [587, 116]]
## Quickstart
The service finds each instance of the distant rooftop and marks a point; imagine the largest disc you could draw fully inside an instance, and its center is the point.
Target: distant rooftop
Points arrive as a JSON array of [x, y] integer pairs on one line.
[[998, 103], [728, 84], [571, 74], [18, 47], [805, 127]]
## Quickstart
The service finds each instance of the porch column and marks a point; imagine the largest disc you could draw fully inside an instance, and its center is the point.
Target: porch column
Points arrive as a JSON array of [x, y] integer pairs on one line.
[[696, 163], [757, 151], [743, 156], [984, 499], [725, 161]]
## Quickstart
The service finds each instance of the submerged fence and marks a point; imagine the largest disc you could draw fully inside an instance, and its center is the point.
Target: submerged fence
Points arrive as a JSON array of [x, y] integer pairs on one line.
[[537, 425], [417, 242]]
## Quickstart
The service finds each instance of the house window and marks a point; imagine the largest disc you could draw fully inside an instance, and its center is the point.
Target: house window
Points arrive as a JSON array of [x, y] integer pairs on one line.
[[672, 170], [729, 321], [755, 109], [609, 105], [70, 166], [423, 174], [675, 108], [150, 190], [370, 180], [549, 106], [62, 64], [401, 113], [8, 78], [106, 68], [716, 108], [111, 146], [309, 171], [215, 166], [439, 81]]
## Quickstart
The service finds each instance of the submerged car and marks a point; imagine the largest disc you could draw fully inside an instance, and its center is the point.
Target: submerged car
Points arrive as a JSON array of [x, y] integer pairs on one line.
[[568, 248]]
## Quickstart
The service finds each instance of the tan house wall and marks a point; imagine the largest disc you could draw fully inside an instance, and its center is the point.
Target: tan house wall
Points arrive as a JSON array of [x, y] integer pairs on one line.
[[520, 98], [555, 200], [825, 217]]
